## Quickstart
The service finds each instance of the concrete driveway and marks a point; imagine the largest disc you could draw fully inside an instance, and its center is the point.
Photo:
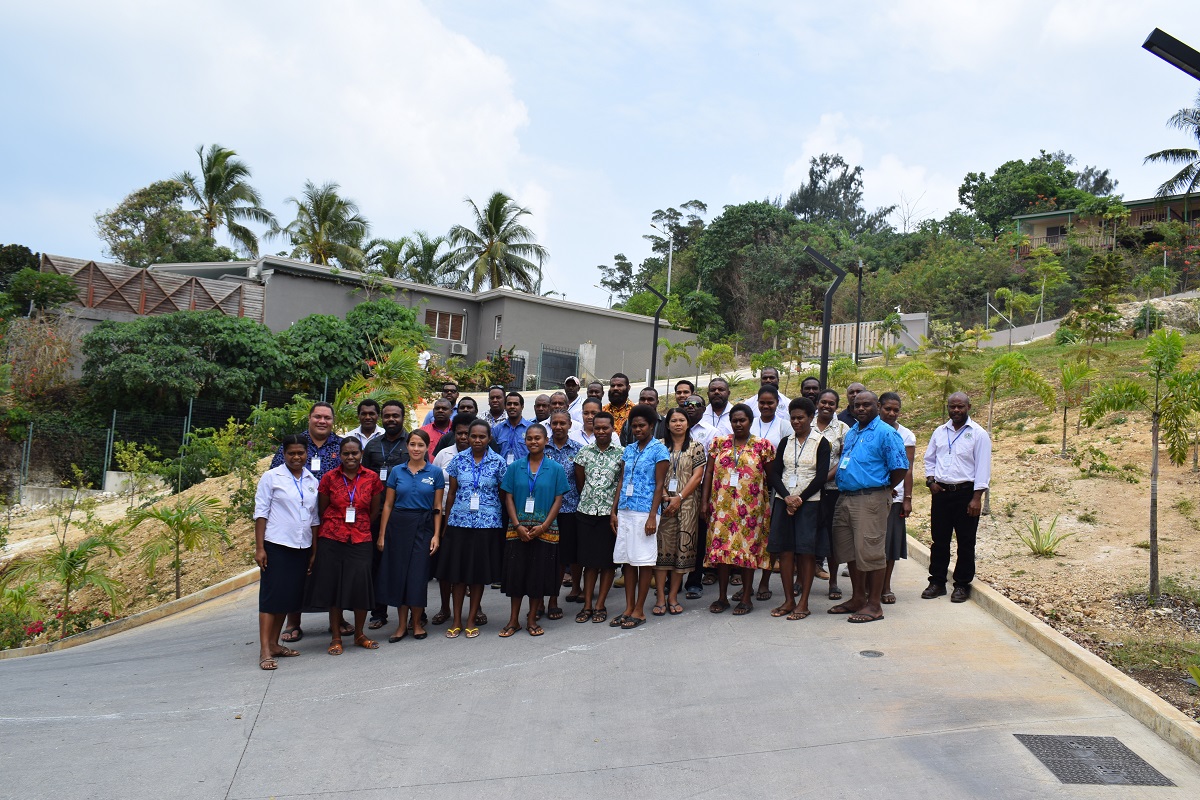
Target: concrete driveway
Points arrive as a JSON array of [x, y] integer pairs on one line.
[[690, 706]]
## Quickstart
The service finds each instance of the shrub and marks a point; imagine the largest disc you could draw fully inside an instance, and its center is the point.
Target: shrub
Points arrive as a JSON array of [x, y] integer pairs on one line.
[[1042, 543]]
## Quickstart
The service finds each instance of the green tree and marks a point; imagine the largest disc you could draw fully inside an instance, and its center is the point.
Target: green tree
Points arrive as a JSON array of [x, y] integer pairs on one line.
[[425, 258], [30, 290], [672, 352], [150, 226], [1044, 183], [833, 195], [328, 229], [140, 463], [618, 279], [185, 526], [947, 350], [1012, 370], [13, 259], [1073, 378], [714, 359], [316, 347], [1187, 180], [1174, 398], [164, 360], [497, 249], [384, 323], [224, 197]]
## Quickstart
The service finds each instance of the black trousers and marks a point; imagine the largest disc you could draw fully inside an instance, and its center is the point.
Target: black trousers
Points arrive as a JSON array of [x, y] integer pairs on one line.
[[695, 578], [948, 518]]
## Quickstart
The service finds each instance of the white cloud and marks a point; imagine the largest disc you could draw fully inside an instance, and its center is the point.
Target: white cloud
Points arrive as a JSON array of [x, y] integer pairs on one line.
[[829, 136]]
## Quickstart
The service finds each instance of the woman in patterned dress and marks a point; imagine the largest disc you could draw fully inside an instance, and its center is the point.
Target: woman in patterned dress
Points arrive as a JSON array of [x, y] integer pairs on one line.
[[681, 512], [596, 476], [735, 498]]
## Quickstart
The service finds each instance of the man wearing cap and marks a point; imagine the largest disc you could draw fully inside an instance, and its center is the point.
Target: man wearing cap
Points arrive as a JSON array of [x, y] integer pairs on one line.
[[958, 468], [768, 376], [574, 399]]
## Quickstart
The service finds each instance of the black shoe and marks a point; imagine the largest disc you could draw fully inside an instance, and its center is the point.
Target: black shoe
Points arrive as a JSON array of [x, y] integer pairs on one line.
[[934, 590], [960, 594]]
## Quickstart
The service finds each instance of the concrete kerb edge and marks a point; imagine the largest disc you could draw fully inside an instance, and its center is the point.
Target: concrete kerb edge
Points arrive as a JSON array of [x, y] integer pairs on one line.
[[141, 618], [1167, 721]]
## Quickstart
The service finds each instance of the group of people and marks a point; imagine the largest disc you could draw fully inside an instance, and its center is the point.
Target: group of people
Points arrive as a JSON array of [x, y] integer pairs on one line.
[[707, 493]]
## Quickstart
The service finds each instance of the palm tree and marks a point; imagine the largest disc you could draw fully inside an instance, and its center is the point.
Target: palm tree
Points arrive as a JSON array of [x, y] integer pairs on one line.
[[425, 258], [327, 228], [1175, 397], [73, 568], [1073, 377], [386, 256], [497, 251], [1013, 371], [1187, 180], [224, 197], [673, 353], [186, 526]]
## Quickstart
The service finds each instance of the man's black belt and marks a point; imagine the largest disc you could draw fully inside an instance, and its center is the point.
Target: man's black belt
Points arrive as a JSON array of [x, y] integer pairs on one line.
[[865, 491], [957, 487]]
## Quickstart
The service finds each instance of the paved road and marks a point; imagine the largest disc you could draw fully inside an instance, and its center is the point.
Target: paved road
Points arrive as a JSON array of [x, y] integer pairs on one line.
[[690, 706]]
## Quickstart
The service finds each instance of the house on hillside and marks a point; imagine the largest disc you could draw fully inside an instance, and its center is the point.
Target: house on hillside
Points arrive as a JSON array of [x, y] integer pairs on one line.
[[1051, 228]]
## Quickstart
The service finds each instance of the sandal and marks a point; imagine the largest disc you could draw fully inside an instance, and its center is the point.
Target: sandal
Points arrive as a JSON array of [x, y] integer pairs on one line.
[[735, 580], [742, 609], [835, 594], [584, 616], [292, 635], [795, 615], [286, 652], [763, 596], [344, 628], [600, 615], [888, 598], [718, 606], [694, 593], [508, 630], [781, 611], [554, 613], [335, 649], [675, 609], [708, 580], [376, 624], [822, 575], [439, 618], [737, 596], [658, 611], [632, 622], [472, 632], [480, 619], [574, 598], [365, 643], [268, 663], [534, 629], [616, 621], [452, 633]]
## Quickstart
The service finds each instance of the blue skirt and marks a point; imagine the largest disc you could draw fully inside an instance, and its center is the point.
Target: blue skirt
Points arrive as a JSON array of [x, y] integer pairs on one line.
[[404, 567]]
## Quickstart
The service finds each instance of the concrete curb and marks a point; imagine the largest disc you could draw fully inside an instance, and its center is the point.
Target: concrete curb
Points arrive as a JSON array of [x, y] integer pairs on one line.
[[141, 618], [1133, 698]]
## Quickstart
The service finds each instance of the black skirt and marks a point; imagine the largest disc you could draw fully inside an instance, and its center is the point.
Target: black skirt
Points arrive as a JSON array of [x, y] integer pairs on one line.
[[404, 568], [825, 529], [568, 539], [470, 555], [281, 587], [596, 540], [896, 546], [530, 568], [341, 576], [796, 533]]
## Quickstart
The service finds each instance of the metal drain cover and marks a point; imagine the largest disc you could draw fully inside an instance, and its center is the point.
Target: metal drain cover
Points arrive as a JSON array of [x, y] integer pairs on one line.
[[1092, 759], [870, 653]]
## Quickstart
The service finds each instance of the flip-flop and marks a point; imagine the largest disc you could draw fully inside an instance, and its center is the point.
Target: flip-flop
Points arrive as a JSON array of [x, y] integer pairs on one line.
[[888, 598], [574, 598], [631, 622], [780, 611], [508, 630], [735, 580], [269, 663], [376, 624], [616, 621], [472, 632], [742, 609], [600, 615], [834, 594], [439, 618], [584, 615], [286, 652], [694, 594], [365, 643], [675, 609], [335, 649], [659, 611], [763, 596], [534, 629], [856, 617], [795, 615], [344, 628], [452, 633], [737, 596], [841, 609], [718, 606], [708, 580], [292, 635], [554, 613]]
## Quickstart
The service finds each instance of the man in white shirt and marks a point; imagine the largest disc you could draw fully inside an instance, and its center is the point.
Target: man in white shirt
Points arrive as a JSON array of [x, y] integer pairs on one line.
[[574, 398], [768, 376], [701, 431], [896, 545], [717, 415], [368, 423], [559, 402], [958, 468]]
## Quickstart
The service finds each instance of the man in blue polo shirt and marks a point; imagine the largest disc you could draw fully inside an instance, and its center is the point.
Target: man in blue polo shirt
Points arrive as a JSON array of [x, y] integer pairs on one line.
[[510, 434], [873, 461]]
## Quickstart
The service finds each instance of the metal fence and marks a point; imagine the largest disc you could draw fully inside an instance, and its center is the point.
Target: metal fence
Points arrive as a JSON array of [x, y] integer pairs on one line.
[[555, 364]]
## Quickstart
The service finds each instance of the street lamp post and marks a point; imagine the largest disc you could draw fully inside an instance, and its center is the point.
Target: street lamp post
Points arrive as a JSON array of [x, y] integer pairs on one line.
[[670, 251], [1173, 51]]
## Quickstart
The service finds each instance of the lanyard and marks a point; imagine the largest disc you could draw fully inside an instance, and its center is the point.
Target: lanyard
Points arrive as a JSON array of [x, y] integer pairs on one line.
[[799, 453], [387, 454], [858, 438], [532, 477], [716, 418], [588, 439], [631, 470], [770, 426], [950, 442], [299, 485], [350, 491], [737, 454], [477, 470]]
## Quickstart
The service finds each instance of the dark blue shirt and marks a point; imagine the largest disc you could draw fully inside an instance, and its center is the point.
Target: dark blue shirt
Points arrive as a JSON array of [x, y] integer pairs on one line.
[[329, 453], [869, 455], [414, 492]]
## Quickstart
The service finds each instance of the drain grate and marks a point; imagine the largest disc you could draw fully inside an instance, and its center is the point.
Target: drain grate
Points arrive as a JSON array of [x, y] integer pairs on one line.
[[1092, 759]]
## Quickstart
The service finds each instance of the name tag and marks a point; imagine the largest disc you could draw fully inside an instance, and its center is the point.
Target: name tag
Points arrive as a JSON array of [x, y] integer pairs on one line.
[[474, 501], [629, 490], [733, 480], [383, 473], [529, 504], [791, 484], [673, 485], [845, 464], [510, 459], [350, 514], [315, 464]]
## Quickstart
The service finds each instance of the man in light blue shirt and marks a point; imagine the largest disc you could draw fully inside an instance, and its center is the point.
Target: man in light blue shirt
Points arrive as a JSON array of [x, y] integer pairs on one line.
[[510, 434]]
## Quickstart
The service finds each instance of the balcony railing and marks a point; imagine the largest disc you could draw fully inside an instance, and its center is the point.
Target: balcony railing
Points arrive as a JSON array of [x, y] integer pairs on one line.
[[1058, 243]]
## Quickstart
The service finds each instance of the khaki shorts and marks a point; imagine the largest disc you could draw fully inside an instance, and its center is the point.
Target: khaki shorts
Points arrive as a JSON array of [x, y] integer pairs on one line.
[[860, 529]]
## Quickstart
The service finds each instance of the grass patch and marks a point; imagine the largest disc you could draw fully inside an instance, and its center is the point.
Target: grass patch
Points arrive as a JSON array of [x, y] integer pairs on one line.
[[1185, 506], [1139, 652], [1182, 591], [1145, 544], [1010, 509], [1087, 516], [1041, 438], [1042, 427], [1018, 573]]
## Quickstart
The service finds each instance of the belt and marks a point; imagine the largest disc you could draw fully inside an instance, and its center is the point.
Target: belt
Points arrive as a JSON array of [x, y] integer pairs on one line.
[[865, 491], [954, 487]]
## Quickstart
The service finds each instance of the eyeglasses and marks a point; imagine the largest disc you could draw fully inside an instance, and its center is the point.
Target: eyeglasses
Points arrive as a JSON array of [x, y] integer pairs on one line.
[[691, 402]]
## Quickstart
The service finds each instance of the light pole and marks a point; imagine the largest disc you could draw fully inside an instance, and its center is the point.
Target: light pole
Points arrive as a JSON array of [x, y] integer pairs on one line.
[[670, 250], [1173, 51]]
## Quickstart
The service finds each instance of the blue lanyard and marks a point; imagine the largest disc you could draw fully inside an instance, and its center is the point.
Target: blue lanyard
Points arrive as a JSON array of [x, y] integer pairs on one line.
[[631, 470], [950, 442], [299, 485], [477, 470], [532, 477], [804, 444], [350, 491], [387, 454]]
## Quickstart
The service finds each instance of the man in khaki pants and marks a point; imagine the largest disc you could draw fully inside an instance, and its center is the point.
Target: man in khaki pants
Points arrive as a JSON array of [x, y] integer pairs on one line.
[[873, 461]]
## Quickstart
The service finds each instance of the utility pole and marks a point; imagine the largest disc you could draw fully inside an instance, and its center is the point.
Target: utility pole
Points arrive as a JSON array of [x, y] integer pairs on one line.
[[858, 311]]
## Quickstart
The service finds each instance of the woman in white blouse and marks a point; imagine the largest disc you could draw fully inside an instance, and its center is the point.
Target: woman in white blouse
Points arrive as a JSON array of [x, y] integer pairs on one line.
[[285, 522]]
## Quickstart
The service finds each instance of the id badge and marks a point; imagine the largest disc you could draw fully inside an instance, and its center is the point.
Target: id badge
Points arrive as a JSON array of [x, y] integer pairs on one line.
[[315, 464], [510, 459], [791, 484], [673, 485], [629, 489], [529, 505], [350, 514], [475, 501], [733, 480], [845, 463], [383, 473]]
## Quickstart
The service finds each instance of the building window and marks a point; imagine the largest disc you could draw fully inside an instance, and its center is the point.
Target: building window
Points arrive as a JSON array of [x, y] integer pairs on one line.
[[498, 321], [445, 325]]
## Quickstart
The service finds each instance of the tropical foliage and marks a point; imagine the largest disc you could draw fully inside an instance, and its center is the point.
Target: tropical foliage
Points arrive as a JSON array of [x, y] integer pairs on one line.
[[496, 249], [224, 197]]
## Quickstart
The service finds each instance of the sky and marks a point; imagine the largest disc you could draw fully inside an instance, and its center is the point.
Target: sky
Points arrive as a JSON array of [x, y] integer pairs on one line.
[[591, 115]]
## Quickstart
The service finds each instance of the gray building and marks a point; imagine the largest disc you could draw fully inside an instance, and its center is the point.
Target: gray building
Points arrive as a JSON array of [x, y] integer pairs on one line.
[[555, 338]]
